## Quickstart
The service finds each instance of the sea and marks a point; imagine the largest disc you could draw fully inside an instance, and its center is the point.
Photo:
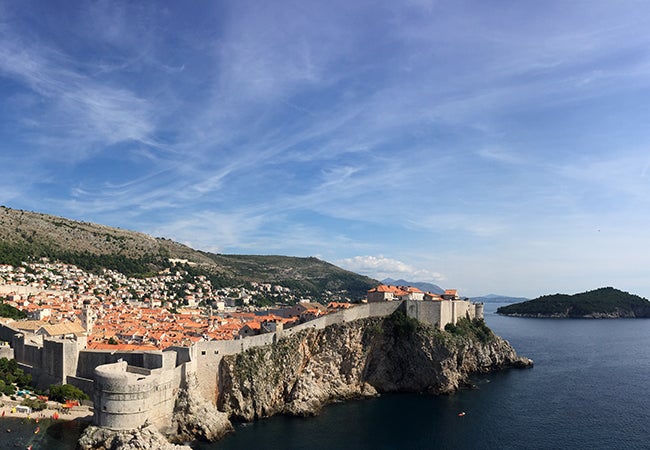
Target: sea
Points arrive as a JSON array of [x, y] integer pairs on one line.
[[589, 389]]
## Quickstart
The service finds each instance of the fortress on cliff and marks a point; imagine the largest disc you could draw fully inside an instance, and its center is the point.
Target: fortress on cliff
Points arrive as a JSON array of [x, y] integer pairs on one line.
[[130, 389]]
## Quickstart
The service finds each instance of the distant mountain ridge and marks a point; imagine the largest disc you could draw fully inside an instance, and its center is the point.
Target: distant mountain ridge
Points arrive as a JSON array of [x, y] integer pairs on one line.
[[602, 303], [423, 286], [25, 234]]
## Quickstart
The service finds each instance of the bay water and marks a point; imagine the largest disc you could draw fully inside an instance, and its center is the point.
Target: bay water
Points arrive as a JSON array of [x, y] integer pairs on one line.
[[589, 389]]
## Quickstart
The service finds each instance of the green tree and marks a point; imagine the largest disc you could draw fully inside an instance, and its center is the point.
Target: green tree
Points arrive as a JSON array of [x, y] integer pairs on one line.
[[35, 404], [61, 393], [11, 312]]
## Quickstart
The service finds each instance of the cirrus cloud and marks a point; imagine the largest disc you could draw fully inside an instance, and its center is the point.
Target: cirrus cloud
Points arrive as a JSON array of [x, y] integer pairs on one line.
[[381, 267]]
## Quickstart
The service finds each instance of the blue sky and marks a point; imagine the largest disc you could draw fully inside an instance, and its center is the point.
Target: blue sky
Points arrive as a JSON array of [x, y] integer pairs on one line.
[[498, 146]]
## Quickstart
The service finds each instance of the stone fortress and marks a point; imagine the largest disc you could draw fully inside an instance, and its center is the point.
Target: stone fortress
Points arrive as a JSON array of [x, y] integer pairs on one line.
[[131, 388]]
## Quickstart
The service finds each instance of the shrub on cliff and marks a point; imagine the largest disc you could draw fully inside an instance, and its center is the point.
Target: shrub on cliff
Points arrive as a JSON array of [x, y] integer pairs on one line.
[[403, 324], [476, 329]]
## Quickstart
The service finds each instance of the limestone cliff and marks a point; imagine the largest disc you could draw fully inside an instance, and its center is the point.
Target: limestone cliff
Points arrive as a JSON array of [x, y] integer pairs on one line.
[[302, 373], [197, 419]]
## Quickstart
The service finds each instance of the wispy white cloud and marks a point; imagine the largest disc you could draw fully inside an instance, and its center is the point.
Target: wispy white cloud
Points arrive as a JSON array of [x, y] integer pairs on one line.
[[77, 112], [338, 129], [381, 267], [500, 155]]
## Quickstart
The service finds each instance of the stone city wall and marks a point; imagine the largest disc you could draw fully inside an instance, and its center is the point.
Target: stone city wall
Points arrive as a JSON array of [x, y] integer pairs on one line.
[[208, 354], [132, 387]]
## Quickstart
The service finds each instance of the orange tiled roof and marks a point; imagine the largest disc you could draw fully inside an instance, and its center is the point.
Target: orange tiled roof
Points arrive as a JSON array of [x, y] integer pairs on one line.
[[388, 288], [120, 347]]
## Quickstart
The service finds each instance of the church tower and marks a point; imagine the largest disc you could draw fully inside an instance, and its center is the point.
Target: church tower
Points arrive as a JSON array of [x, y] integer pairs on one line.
[[87, 317]]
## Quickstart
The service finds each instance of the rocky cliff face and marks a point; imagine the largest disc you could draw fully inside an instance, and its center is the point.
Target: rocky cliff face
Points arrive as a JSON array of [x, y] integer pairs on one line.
[[302, 373], [195, 418]]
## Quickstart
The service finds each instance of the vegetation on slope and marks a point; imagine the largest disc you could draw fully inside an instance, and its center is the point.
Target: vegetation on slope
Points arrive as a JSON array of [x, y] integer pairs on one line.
[[25, 236], [474, 328], [11, 312], [603, 301], [307, 275]]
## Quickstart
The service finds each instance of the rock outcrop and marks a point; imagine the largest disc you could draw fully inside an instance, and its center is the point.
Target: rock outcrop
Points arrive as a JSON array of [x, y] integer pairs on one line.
[[197, 419], [300, 374], [147, 437]]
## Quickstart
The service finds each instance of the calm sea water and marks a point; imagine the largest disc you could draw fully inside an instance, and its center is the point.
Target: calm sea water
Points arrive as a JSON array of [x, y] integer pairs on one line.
[[588, 390]]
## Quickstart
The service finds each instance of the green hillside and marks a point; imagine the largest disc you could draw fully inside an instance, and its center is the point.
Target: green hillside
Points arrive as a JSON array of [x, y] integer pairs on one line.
[[604, 302], [26, 235]]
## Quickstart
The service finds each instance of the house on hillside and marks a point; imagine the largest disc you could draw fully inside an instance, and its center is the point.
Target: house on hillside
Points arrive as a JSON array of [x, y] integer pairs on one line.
[[251, 328], [387, 293], [450, 294], [272, 325], [411, 293], [431, 297], [305, 311], [384, 293]]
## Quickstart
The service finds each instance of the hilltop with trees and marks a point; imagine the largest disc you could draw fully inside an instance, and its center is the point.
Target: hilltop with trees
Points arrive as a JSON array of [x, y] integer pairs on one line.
[[27, 236], [605, 302]]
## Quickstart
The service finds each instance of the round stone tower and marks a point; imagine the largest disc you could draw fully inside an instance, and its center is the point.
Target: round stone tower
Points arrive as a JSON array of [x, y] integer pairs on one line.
[[478, 310]]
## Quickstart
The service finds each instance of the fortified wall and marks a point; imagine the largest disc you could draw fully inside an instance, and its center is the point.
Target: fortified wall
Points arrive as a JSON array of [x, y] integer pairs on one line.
[[131, 388], [127, 396]]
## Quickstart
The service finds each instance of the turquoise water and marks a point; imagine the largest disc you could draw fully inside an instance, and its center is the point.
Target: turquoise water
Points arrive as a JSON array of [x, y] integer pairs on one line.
[[588, 390]]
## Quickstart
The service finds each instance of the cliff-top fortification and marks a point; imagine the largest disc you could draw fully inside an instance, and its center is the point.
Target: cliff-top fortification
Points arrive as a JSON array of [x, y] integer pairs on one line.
[[188, 384]]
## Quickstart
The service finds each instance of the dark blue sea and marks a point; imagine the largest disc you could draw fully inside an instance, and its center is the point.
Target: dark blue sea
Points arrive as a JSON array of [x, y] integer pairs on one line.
[[589, 389]]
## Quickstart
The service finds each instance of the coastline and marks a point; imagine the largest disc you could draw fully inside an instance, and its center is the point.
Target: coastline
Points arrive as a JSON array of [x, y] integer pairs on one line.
[[79, 413]]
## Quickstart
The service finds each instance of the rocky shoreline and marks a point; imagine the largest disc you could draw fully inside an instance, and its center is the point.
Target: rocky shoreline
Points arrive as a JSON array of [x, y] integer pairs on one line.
[[300, 374]]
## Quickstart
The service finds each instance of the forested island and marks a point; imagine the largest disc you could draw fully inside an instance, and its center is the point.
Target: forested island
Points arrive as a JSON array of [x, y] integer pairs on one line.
[[603, 303]]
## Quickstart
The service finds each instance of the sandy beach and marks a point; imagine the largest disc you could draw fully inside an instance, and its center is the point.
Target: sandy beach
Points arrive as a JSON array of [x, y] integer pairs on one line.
[[77, 412]]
